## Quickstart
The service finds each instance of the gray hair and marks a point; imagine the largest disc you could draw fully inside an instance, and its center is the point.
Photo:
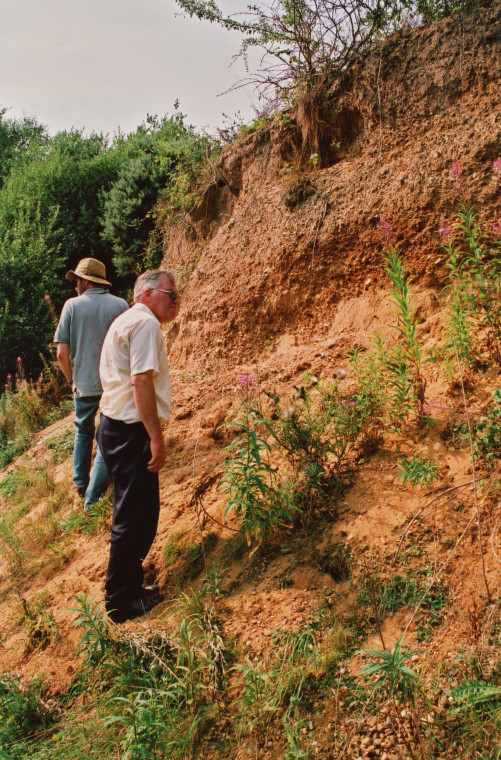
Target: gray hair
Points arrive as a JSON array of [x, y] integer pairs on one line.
[[150, 280]]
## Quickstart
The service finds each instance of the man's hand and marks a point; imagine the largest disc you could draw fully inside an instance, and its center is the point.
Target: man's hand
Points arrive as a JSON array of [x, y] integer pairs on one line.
[[158, 455], [145, 400]]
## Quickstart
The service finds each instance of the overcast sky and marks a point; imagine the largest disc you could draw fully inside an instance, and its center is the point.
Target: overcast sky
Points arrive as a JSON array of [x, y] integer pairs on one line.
[[105, 64]]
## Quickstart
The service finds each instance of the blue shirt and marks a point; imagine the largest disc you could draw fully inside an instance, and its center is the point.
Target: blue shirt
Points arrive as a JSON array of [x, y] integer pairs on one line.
[[83, 325]]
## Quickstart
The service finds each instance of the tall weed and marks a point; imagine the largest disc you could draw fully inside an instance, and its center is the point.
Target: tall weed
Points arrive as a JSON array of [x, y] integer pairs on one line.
[[26, 408]]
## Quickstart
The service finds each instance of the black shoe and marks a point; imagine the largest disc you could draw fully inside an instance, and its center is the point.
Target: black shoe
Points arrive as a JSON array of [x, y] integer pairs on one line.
[[81, 490], [133, 609], [153, 588]]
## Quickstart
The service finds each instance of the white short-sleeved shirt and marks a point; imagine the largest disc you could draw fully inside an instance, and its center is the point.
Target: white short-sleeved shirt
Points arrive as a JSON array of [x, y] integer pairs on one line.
[[133, 344]]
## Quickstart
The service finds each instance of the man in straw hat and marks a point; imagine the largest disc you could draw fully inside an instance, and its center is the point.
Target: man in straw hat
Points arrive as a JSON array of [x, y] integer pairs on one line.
[[79, 336]]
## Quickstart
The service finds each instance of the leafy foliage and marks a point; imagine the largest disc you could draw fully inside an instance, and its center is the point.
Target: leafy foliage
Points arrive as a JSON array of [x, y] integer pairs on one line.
[[23, 712], [391, 672], [474, 285], [255, 493], [71, 196], [303, 42], [304, 45], [417, 470], [16, 138]]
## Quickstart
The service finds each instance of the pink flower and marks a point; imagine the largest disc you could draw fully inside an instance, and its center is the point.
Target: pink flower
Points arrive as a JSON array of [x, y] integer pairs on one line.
[[446, 232], [384, 231], [457, 176], [9, 377], [496, 168], [456, 171], [496, 227], [18, 360], [246, 382], [47, 297]]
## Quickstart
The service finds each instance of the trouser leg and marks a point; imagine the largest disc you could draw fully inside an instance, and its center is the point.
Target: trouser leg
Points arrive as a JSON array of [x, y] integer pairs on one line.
[[99, 481], [126, 452], [85, 413]]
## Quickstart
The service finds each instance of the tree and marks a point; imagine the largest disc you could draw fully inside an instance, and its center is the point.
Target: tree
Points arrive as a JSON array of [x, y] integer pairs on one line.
[[28, 272], [50, 208], [16, 139], [159, 162], [305, 44], [69, 176]]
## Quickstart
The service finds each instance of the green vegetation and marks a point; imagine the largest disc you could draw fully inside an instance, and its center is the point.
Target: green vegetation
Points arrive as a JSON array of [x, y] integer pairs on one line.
[[66, 197], [418, 471], [412, 356], [474, 283], [147, 694], [304, 46], [255, 493], [187, 556], [200, 691], [27, 407], [94, 520]]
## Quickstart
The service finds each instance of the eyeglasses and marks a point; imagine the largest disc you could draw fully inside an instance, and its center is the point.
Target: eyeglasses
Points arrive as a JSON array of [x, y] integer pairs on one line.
[[171, 293]]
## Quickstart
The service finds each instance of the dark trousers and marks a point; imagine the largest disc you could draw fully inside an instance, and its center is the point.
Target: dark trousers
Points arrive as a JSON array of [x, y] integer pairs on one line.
[[126, 452]]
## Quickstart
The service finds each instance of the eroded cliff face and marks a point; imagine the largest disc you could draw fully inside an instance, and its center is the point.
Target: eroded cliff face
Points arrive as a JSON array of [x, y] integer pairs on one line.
[[284, 274], [282, 249]]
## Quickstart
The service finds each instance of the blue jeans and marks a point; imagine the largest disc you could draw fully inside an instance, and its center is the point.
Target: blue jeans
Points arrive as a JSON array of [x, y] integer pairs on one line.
[[97, 481]]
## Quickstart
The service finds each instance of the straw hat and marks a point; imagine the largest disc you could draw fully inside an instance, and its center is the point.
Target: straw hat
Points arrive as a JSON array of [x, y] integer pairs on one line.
[[89, 269]]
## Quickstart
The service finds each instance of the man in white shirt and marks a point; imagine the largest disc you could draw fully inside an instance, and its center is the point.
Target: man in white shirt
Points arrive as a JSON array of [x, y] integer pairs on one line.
[[134, 405]]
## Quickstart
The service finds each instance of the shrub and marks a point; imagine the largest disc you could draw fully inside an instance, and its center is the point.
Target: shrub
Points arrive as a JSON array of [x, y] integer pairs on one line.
[[255, 492]]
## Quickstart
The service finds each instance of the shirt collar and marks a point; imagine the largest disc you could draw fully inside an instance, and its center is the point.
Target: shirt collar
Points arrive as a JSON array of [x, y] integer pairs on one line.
[[146, 309]]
